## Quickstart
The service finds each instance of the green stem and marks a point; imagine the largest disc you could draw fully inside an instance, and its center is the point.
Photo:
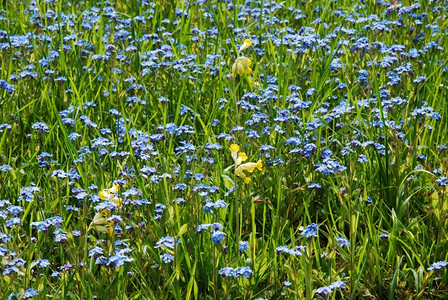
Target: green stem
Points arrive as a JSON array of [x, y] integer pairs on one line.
[[237, 208]]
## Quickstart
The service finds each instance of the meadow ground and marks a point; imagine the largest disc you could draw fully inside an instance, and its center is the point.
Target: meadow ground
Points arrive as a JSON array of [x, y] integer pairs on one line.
[[223, 149]]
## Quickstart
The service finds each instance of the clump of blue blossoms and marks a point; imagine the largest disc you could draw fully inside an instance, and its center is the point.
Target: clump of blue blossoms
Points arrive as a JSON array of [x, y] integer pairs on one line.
[[310, 231], [245, 272], [243, 246], [326, 290], [218, 236], [437, 266], [343, 242]]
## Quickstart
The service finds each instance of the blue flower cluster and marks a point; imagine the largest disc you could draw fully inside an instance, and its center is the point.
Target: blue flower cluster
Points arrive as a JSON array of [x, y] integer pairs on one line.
[[310, 230], [326, 290], [437, 266], [245, 272]]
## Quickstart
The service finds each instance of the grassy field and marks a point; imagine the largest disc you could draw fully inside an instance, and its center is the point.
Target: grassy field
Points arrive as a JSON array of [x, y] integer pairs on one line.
[[223, 149]]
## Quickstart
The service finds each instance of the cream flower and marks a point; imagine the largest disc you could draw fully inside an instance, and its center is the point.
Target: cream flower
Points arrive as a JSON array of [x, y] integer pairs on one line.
[[241, 66], [249, 167], [101, 224], [240, 168], [98, 219], [234, 148], [246, 44], [109, 194]]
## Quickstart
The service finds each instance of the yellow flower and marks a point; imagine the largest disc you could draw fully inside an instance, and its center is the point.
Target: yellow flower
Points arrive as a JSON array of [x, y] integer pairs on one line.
[[259, 165], [246, 44], [115, 188], [108, 194], [98, 219], [101, 224], [104, 194], [234, 148], [250, 167], [117, 201], [238, 158], [110, 228], [241, 66], [243, 156]]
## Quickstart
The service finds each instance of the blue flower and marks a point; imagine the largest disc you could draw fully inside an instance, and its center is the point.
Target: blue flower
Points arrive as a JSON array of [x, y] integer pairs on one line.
[[384, 235], [40, 126], [338, 284], [442, 181], [227, 272], [167, 241], [217, 226], [167, 258], [362, 158], [315, 186], [218, 236], [243, 246], [10, 270], [42, 263], [202, 227], [438, 265], [5, 168], [310, 230], [40, 226], [246, 272], [369, 200], [60, 174], [296, 251], [324, 291], [15, 210], [96, 252], [343, 242], [60, 238], [208, 207], [30, 293]]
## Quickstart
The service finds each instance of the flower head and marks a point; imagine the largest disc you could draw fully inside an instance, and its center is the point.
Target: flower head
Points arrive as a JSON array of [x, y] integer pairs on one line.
[[243, 156], [438, 265], [310, 230], [218, 236], [250, 167], [243, 246], [234, 148], [109, 194], [343, 242], [241, 66], [246, 272], [240, 168], [246, 44]]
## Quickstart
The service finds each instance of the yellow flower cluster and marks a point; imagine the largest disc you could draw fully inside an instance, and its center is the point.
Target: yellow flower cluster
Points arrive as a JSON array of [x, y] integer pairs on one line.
[[109, 195], [100, 222], [239, 158], [242, 64], [246, 44]]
